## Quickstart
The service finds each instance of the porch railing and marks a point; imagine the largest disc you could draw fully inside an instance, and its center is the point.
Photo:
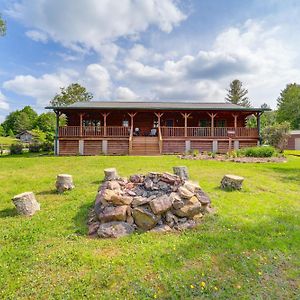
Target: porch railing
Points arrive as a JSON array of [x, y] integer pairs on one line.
[[207, 132], [93, 131], [121, 131]]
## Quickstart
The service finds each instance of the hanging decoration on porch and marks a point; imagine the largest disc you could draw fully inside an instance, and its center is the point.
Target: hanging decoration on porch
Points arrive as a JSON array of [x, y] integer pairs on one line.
[[156, 201]]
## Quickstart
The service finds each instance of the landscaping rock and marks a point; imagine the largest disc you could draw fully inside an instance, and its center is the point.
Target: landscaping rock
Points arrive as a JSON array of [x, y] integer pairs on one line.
[[144, 219], [64, 182], [185, 193], [159, 202], [114, 229], [112, 213], [26, 204], [232, 182]]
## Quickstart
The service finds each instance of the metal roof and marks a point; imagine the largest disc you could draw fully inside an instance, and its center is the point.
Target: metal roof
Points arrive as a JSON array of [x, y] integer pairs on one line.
[[118, 105]]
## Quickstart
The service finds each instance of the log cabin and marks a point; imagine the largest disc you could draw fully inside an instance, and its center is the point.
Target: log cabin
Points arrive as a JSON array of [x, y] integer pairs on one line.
[[153, 128]]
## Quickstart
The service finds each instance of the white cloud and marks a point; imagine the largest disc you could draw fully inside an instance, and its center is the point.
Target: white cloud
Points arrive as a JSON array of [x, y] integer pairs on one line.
[[3, 102], [84, 25], [96, 79], [253, 53], [37, 36], [126, 94]]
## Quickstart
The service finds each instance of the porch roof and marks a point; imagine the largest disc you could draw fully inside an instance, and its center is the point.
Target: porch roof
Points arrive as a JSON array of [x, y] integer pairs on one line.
[[173, 106]]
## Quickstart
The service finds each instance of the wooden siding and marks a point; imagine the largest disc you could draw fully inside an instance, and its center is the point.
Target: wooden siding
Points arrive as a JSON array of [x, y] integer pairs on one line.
[[173, 146], [68, 147], [291, 145], [92, 147], [247, 144], [117, 147], [201, 146]]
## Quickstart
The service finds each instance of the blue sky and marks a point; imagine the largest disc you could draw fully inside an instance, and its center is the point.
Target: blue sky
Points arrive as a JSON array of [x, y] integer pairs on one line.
[[147, 50]]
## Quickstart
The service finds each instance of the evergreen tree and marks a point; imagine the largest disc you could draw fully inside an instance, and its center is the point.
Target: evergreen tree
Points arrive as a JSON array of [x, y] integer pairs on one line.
[[237, 94]]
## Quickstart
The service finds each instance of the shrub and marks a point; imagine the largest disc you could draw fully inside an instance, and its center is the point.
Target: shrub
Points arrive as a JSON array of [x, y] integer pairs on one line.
[[35, 147], [195, 152], [47, 146], [16, 148], [277, 135], [264, 151]]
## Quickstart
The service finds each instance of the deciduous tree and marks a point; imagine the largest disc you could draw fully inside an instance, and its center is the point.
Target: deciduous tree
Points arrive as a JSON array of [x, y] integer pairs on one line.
[[71, 94], [288, 104]]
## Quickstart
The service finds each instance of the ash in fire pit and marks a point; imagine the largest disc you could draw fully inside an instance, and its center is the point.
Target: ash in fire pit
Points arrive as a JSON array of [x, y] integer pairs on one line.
[[156, 202]]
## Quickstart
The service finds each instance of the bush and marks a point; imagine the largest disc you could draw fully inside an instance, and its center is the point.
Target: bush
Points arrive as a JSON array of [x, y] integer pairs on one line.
[[277, 135], [47, 146], [16, 148], [264, 151], [35, 147]]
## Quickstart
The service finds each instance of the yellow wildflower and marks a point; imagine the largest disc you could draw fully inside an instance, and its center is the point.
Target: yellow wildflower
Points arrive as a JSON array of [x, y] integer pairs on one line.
[[203, 284], [192, 287], [215, 288], [259, 273]]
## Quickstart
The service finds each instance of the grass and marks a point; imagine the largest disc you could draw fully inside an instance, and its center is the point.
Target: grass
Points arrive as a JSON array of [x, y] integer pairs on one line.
[[248, 250]]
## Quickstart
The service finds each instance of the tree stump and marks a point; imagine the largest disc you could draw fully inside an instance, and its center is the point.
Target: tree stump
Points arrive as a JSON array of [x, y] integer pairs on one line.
[[182, 172], [110, 174], [232, 182], [26, 204], [64, 182]]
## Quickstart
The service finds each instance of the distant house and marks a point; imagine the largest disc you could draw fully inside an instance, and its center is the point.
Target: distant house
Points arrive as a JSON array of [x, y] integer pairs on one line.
[[294, 140], [25, 136]]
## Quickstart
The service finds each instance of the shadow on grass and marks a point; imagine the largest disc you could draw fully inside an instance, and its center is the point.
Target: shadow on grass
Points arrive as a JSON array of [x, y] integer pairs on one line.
[[50, 192], [8, 212], [288, 174], [81, 218]]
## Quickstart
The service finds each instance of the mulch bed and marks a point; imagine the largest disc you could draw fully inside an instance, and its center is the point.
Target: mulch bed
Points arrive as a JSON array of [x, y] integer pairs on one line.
[[222, 157]]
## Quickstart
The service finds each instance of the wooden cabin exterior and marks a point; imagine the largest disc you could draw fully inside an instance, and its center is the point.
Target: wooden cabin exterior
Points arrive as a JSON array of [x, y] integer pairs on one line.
[[153, 128]]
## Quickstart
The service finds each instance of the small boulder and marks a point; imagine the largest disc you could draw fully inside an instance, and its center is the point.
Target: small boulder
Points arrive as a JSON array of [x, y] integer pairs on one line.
[[185, 193], [177, 202], [189, 210], [139, 200], [202, 197], [161, 228], [160, 204], [144, 219], [113, 185], [114, 229], [111, 213]]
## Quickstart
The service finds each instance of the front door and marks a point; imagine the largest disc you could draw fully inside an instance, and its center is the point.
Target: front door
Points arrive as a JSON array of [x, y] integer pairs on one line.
[[170, 123]]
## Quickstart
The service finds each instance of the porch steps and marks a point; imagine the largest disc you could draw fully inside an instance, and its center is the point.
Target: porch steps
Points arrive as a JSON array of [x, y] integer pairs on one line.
[[145, 145]]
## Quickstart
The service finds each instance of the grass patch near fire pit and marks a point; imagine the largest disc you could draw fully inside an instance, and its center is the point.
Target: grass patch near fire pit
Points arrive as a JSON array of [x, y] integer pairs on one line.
[[248, 249]]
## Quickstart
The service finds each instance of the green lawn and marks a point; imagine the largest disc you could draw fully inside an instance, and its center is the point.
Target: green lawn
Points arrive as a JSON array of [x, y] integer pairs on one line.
[[248, 250]]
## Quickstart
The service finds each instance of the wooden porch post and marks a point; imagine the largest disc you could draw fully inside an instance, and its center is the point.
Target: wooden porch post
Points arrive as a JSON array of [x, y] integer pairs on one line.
[[105, 115], [235, 116], [131, 115], [185, 115], [80, 123], [159, 115], [56, 132], [258, 126], [212, 116]]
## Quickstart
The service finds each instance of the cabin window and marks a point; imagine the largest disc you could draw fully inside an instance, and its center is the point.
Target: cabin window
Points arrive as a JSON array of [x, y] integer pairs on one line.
[[125, 123], [95, 123], [221, 123], [155, 124], [204, 123]]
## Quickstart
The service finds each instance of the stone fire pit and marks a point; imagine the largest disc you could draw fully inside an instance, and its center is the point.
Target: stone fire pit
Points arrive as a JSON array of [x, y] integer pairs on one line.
[[156, 202]]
